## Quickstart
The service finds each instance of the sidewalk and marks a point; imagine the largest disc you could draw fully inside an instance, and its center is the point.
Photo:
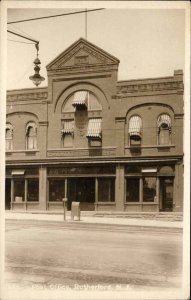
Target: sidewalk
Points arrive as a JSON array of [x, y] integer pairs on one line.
[[84, 219]]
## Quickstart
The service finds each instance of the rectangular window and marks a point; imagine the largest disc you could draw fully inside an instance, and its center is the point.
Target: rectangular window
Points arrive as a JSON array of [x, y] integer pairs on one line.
[[149, 189], [95, 142], [68, 140], [9, 144], [164, 137], [132, 189], [56, 189], [135, 142], [19, 190], [32, 189], [106, 189]]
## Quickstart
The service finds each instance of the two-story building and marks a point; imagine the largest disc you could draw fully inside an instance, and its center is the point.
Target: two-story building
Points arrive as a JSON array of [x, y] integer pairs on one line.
[[110, 145]]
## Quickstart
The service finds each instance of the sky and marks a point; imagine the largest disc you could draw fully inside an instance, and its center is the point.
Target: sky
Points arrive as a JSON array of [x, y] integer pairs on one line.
[[148, 42]]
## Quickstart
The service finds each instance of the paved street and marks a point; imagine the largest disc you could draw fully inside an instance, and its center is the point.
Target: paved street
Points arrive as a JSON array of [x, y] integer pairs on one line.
[[44, 253]]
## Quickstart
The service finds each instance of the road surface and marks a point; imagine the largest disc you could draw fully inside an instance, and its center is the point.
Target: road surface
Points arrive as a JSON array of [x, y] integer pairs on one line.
[[43, 254]]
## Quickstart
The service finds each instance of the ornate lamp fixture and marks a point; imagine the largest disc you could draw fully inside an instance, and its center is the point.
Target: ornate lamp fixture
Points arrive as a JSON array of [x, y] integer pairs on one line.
[[36, 78]]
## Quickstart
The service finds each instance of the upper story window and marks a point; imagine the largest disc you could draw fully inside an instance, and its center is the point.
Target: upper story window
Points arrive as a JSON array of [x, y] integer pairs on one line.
[[94, 131], [164, 129], [81, 120], [135, 131], [9, 137], [68, 133], [82, 99], [31, 136]]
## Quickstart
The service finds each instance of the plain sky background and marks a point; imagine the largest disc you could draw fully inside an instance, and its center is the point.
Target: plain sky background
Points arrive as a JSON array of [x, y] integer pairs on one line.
[[148, 42]]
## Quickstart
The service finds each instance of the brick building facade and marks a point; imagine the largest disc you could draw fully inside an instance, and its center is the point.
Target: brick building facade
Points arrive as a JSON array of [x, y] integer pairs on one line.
[[111, 145]]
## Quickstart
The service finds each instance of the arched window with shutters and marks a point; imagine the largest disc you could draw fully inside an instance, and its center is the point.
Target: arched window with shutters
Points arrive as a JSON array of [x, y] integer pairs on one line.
[[135, 131], [31, 136], [164, 129], [9, 137]]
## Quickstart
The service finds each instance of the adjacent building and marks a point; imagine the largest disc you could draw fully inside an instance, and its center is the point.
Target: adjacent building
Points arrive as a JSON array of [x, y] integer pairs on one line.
[[110, 145]]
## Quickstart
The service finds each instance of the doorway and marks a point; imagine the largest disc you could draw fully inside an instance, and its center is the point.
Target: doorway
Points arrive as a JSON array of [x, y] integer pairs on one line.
[[166, 194], [81, 190], [7, 193]]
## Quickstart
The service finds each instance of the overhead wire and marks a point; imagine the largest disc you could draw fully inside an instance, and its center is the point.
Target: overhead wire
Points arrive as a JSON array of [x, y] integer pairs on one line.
[[54, 16], [21, 31], [19, 42]]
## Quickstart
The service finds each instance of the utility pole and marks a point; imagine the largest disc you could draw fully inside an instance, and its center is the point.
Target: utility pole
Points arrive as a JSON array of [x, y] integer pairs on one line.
[[86, 17]]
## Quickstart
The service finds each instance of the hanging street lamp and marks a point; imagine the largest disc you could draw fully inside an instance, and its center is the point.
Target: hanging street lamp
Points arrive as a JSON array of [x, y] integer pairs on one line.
[[37, 78]]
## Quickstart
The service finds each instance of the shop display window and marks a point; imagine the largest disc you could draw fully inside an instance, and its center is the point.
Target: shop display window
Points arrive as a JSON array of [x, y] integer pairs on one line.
[[149, 189], [19, 190], [132, 189], [32, 190], [106, 189], [56, 190]]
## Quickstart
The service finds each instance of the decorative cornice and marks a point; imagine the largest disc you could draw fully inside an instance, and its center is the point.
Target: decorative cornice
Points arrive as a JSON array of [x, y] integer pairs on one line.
[[28, 96], [128, 88], [82, 44]]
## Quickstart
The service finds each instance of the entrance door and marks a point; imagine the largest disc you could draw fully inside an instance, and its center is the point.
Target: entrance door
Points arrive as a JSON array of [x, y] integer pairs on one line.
[[7, 193], [81, 190], [166, 194]]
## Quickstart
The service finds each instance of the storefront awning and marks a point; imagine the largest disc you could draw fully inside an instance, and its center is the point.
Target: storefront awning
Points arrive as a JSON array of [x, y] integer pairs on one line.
[[80, 98], [164, 120], [135, 126], [94, 128], [68, 126]]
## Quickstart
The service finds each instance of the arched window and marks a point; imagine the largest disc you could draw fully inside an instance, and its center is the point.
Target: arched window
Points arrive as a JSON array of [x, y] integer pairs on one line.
[[31, 136], [135, 131], [9, 137], [164, 129]]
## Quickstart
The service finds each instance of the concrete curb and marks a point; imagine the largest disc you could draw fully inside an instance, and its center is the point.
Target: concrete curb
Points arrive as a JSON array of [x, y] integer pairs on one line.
[[104, 221]]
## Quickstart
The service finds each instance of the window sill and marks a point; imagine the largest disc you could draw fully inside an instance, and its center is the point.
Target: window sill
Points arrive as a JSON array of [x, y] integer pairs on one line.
[[105, 203], [150, 146], [133, 203], [24, 202], [141, 203], [21, 151], [55, 202]]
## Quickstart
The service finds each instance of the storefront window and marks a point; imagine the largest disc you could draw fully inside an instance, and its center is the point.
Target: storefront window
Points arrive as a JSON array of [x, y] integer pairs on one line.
[[149, 189], [132, 189], [32, 190], [106, 189], [56, 189], [19, 190]]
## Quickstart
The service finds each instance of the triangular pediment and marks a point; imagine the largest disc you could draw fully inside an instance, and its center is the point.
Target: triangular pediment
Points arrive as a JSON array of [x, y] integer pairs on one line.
[[82, 53]]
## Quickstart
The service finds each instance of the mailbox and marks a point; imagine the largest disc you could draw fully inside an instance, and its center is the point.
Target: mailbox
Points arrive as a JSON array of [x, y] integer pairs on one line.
[[75, 211]]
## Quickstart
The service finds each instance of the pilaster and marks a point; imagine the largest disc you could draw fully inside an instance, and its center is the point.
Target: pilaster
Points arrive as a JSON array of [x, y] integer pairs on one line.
[[120, 188]]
